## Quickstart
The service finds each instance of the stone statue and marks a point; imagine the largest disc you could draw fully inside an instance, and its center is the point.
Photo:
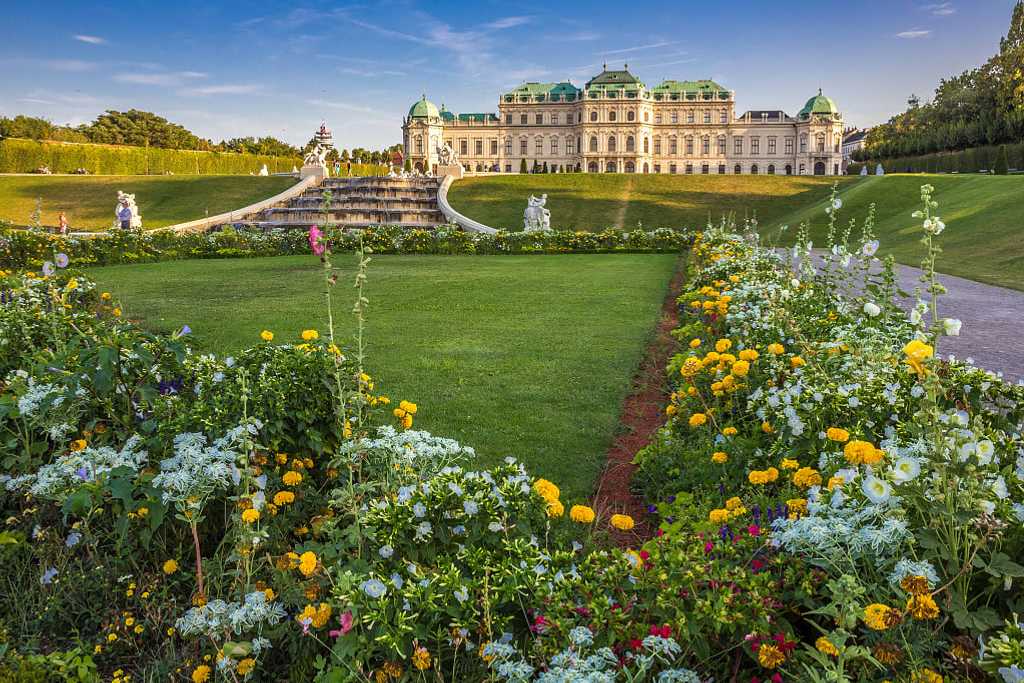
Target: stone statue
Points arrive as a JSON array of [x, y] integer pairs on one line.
[[264, 171], [446, 156], [864, 169], [536, 218], [126, 212], [879, 170], [316, 156]]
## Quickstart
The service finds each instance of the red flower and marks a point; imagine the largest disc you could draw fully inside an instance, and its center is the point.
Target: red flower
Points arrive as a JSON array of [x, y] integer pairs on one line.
[[754, 530], [777, 678], [661, 631], [636, 644]]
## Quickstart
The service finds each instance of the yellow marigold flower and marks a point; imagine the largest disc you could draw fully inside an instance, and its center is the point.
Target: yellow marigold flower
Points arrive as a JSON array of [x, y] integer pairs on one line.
[[917, 352], [825, 646], [622, 522], [733, 503], [408, 406], [421, 658], [837, 434], [581, 514], [776, 349], [926, 676], [307, 563], [877, 617], [718, 515], [862, 453], [767, 428], [78, 445], [201, 674], [170, 566], [690, 367], [770, 656], [547, 490], [723, 345], [291, 478], [806, 477], [697, 419], [269, 592], [915, 585], [719, 457], [116, 312], [797, 362], [281, 458], [749, 355], [138, 629], [310, 335], [797, 507], [729, 431], [833, 482], [393, 670], [283, 498], [922, 607], [105, 296], [694, 343], [245, 667], [740, 368], [887, 653], [555, 508], [250, 516], [72, 284], [671, 410], [789, 464]]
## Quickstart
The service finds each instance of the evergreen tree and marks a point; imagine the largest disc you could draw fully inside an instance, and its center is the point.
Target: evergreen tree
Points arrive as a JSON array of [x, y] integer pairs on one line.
[[545, 169], [407, 166], [522, 165]]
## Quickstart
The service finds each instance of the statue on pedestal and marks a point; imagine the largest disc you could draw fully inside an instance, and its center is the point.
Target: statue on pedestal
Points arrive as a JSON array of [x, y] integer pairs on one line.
[[446, 156], [536, 218], [879, 170], [864, 169], [127, 212]]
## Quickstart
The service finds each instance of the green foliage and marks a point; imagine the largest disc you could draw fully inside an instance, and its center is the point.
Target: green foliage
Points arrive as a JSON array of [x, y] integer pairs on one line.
[[971, 160], [1002, 165], [522, 165], [141, 129]]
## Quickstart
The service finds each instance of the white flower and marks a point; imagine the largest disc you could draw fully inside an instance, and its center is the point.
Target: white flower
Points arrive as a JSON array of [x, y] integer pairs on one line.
[[905, 469], [870, 248], [877, 490], [999, 488], [915, 316], [984, 451], [837, 203], [872, 309], [951, 327]]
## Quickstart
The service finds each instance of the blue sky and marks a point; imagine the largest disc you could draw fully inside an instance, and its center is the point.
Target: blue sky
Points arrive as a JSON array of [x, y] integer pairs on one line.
[[257, 68]]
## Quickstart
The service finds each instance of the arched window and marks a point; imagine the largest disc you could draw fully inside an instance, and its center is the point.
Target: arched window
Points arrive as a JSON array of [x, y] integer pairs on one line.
[[820, 142], [592, 167], [721, 169], [508, 147], [610, 168], [611, 117], [647, 145], [419, 144], [630, 115], [803, 169], [771, 169], [611, 143], [819, 168], [647, 168], [789, 169], [737, 169], [593, 143], [593, 116], [630, 144], [479, 168], [630, 168], [753, 169]]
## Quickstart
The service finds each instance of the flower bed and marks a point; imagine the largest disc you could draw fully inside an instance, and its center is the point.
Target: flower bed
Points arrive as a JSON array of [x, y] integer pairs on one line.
[[29, 248]]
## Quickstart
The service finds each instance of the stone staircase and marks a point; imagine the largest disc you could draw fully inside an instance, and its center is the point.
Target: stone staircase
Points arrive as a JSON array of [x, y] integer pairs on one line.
[[359, 203]]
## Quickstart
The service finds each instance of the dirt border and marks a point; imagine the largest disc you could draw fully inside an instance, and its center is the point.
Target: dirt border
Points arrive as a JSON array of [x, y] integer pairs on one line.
[[641, 416]]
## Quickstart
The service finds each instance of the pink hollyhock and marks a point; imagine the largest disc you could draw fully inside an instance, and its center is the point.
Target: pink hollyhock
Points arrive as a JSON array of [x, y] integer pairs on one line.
[[777, 678], [314, 241], [754, 530], [346, 625]]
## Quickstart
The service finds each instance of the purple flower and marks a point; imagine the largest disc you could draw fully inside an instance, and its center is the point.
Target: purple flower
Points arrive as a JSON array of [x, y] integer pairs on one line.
[[62, 260], [82, 473], [652, 508], [48, 268], [48, 576], [73, 539], [185, 330], [314, 241]]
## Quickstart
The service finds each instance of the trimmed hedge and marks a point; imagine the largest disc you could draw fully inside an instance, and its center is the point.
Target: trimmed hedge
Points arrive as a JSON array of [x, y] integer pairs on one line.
[[28, 249], [965, 161], [25, 156]]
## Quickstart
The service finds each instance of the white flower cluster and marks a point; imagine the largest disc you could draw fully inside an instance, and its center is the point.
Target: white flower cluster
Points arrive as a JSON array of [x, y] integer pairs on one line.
[[68, 472], [196, 470], [34, 396], [217, 618], [421, 451]]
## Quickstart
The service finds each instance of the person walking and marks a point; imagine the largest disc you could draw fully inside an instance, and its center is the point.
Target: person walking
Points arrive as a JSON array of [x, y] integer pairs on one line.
[[63, 223], [124, 215]]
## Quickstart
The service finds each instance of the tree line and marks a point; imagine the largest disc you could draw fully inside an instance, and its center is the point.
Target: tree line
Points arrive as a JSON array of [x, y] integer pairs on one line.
[[146, 129], [982, 106]]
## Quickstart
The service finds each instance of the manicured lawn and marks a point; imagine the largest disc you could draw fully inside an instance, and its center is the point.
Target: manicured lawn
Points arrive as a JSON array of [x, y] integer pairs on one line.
[[528, 356], [583, 201], [88, 201], [984, 236]]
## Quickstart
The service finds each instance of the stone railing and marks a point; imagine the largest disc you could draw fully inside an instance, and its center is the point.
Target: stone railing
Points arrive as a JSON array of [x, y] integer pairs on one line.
[[467, 224]]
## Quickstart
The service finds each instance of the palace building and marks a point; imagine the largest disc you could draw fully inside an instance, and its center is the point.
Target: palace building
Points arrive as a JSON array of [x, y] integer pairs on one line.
[[616, 124]]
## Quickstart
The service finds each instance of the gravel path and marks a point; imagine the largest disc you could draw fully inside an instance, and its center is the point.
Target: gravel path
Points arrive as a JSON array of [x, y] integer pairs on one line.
[[993, 321]]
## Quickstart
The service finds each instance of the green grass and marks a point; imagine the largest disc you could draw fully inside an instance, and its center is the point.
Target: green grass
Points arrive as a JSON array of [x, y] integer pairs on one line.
[[529, 356], [984, 216], [585, 201], [88, 201]]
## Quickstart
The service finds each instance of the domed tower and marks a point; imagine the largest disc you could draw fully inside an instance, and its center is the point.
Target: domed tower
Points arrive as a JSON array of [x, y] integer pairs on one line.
[[422, 132], [819, 127]]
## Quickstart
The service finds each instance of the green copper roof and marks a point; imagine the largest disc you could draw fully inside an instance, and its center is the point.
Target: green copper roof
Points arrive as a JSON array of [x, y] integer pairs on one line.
[[687, 86], [614, 79], [424, 109], [478, 117], [819, 104], [563, 90]]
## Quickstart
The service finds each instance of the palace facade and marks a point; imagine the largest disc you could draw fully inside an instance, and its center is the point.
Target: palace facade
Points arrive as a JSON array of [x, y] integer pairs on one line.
[[616, 124]]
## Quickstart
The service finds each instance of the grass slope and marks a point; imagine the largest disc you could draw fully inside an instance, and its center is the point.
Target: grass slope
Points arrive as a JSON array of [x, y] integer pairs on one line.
[[528, 356], [984, 237], [584, 201], [88, 201]]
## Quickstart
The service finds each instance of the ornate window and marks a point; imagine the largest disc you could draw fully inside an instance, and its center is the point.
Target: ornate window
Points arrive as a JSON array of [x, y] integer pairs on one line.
[[721, 145], [647, 116], [508, 147], [494, 148], [657, 145], [689, 145], [524, 119], [538, 119], [803, 146], [690, 116], [592, 167], [723, 116], [611, 115], [753, 169], [689, 169], [673, 146], [672, 169], [675, 116], [419, 144], [610, 168], [705, 169], [657, 117], [630, 144], [647, 145], [569, 147], [611, 143], [789, 147], [789, 169], [772, 149], [593, 143], [839, 143], [737, 146], [721, 169], [755, 145], [593, 117], [630, 168], [554, 145], [538, 145], [707, 116], [508, 119], [705, 145], [523, 146], [737, 169], [771, 169], [820, 142], [630, 116]]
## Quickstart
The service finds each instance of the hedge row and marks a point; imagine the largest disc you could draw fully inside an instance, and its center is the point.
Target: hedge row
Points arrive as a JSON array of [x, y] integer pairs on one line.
[[28, 249], [965, 161], [25, 156]]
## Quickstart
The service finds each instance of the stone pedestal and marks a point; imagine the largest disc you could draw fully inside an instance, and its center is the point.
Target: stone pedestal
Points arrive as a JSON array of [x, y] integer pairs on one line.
[[453, 170], [319, 170]]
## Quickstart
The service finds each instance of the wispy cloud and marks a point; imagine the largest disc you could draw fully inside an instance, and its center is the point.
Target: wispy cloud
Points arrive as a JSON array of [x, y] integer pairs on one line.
[[507, 22], [224, 89], [72, 65], [940, 9], [581, 36], [52, 97], [637, 48], [914, 33], [168, 79], [92, 40]]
